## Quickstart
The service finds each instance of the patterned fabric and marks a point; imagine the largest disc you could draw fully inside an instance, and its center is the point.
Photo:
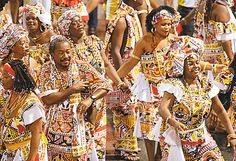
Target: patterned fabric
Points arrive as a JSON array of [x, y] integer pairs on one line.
[[90, 51], [40, 53], [38, 10], [191, 108], [66, 128], [58, 9], [211, 33], [9, 38], [124, 121], [15, 135]]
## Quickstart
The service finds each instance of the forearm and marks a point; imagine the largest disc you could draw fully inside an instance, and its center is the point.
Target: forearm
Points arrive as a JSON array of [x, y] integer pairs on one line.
[[228, 49], [154, 3], [57, 97], [189, 17], [127, 67], [223, 116], [111, 73], [91, 5], [34, 144], [117, 59], [100, 93]]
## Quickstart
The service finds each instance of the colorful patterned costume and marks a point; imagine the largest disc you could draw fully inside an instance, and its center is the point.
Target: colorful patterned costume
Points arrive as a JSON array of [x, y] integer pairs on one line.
[[66, 128], [14, 133], [213, 33], [124, 121], [191, 107], [61, 6], [89, 50]]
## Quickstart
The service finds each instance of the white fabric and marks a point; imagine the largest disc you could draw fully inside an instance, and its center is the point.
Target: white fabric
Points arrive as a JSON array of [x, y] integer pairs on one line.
[[94, 156], [188, 3], [141, 89], [214, 91], [137, 127], [46, 3], [176, 152], [33, 113], [157, 130], [172, 89], [46, 93]]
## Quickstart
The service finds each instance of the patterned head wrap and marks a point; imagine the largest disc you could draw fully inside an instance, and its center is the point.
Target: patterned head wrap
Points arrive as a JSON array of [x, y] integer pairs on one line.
[[162, 15], [38, 10], [189, 47], [9, 38], [65, 20]]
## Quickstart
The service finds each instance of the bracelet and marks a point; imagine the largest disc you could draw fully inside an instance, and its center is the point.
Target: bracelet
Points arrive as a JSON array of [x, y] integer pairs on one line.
[[231, 136], [135, 57], [214, 67], [204, 67]]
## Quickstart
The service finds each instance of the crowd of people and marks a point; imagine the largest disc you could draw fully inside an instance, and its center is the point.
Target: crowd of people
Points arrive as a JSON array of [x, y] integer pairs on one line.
[[166, 75]]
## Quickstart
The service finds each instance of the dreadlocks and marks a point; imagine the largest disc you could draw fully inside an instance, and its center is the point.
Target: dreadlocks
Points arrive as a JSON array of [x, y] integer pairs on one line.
[[23, 80]]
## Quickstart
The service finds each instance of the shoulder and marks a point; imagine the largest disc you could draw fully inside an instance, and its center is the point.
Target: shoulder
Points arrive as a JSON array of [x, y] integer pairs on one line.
[[220, 13]]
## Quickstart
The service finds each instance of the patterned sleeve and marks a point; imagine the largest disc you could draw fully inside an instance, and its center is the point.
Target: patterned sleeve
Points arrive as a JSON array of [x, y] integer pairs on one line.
[[95, 79], [172, 86], [33, 113]]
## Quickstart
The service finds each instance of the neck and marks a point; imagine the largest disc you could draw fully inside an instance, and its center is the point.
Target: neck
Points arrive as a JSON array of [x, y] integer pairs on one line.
[[159, 37], [77, 39], [190, 81], [34, 33]]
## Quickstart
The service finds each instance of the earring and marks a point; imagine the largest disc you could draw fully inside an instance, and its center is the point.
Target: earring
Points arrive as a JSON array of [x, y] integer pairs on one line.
[[153, 30], [41, 28]]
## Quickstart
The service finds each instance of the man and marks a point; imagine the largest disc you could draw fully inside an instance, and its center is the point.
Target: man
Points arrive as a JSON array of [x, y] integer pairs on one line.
[[69, 89], [123, 31]]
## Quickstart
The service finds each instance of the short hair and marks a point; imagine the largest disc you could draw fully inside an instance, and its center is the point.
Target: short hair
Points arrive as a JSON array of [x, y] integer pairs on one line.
[[150, 16], [23, 80], [56, 39]]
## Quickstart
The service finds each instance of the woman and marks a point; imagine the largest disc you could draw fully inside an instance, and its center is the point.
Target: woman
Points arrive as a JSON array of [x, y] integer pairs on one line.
[[23, 116], [14, 44], [188, 99], [38, 23], [151, 51], [90, 49]]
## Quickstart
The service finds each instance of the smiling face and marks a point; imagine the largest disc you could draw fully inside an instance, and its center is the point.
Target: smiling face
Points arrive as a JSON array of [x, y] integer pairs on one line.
[[76, 28], [163, 27], [62, 55], [32, 22], [192, 66]]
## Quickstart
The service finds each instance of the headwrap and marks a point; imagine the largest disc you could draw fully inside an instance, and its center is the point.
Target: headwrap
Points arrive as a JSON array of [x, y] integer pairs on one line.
[[175, 62], [8, 39], [162, 15], [65, 20], [39, 11]]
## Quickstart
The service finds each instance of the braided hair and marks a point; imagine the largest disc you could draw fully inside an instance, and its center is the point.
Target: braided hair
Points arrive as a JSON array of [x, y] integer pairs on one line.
[[150, 16], [23, 80]]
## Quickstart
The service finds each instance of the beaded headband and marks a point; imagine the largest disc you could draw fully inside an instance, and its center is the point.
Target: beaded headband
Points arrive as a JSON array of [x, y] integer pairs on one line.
[[162, 15]]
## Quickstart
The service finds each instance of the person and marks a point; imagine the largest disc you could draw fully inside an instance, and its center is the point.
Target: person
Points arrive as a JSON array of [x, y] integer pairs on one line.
[[23, 116], [151, 52], [187, 101], [38, 23], [90, 49], [69, 87], [123, 31], [14, 43]]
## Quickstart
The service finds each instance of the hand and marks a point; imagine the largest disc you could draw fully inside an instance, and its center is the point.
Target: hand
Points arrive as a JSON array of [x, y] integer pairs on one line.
[[85, 104], [79, 86], [139, 106], [177, 125], [220, 68], [123, 86]]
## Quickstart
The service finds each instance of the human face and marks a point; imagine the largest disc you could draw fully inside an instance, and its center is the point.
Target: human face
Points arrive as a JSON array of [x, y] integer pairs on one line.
[[21, 48], [7, 81], [62, 55], [32, 22], [191, 67], [76, 27], [163, 28]]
